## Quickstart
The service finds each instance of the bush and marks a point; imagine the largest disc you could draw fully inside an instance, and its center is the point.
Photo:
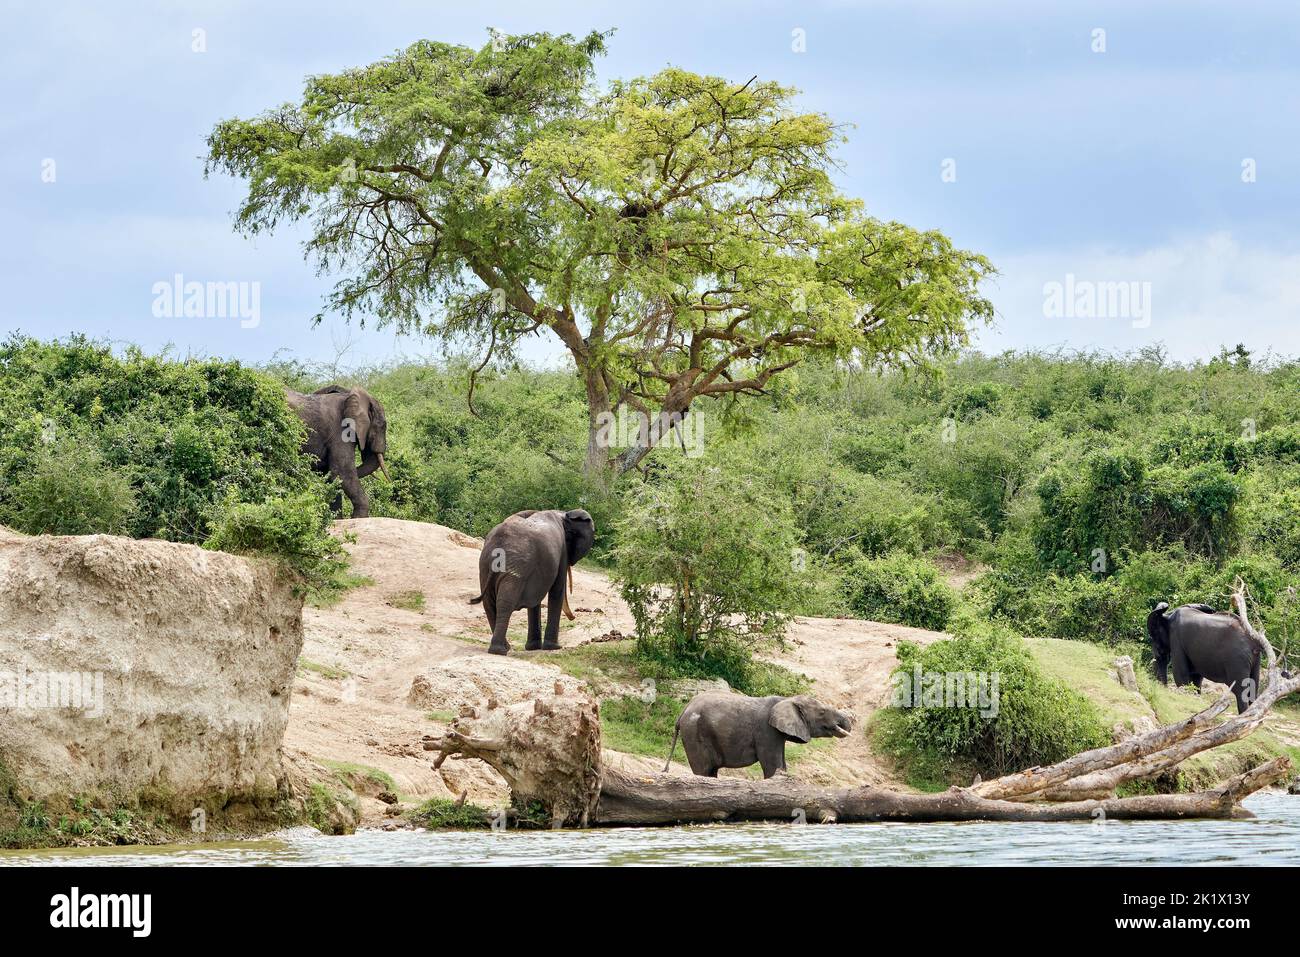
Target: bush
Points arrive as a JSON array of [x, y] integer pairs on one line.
[[707, 562], [184, 435], [902, 589], [293, 531], [71, 491], [1038, 720]]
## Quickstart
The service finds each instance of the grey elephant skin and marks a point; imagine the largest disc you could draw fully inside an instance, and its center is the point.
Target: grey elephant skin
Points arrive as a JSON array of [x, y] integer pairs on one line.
[[733, 731], [1203, 643], [524, 560], [341, 421]]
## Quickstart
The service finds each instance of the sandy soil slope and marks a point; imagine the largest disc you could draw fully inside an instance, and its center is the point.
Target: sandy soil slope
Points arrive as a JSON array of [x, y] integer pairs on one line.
[[352, 702]]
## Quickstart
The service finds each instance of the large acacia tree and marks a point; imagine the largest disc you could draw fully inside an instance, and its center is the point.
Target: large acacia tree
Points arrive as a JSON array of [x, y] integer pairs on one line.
[[679, 234]]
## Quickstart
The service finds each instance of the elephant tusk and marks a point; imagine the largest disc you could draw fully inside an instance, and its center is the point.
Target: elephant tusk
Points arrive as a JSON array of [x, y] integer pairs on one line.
[[384, 468], [568, 614]]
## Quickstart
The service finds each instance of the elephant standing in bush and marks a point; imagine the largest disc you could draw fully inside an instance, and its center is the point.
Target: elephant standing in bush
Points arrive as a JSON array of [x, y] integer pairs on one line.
[[1203, 643], [339, 423], [733, 731]]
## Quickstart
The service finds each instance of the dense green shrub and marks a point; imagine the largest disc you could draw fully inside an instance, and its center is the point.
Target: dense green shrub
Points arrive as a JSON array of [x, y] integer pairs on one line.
[[293, 531], [899, 588], [1037, 720], [183, 434], [708, 564], [70, 490]]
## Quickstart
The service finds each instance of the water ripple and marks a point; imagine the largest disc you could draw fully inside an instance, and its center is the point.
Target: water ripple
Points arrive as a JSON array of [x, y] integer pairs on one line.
[[1272, 838]]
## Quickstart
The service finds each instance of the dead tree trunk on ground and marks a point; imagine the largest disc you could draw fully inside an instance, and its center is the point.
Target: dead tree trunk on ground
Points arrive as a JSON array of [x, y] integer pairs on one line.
[[549, 751]]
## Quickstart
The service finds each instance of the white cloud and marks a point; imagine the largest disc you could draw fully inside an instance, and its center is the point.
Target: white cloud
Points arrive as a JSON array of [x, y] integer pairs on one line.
[[1206, 291]]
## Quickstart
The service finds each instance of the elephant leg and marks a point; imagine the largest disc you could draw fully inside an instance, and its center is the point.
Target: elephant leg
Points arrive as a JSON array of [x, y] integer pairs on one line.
[[505, 607], [1196, 680], [1182, 668], [772, 759], [355, 492], [490, 605], [554, 604], [534, 628]]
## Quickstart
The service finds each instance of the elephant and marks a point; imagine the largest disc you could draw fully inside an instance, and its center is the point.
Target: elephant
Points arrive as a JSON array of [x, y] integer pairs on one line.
[[339, 422], [525, 559], [1204, 643], [733, 731]]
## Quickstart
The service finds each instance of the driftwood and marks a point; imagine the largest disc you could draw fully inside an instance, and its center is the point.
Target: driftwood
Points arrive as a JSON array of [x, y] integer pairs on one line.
[[549, 752]]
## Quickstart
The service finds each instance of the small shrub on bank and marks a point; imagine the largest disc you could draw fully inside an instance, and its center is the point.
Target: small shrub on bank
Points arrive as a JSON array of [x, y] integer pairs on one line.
[[708, 563], [900, 588], [293, 531], [1035, 720]]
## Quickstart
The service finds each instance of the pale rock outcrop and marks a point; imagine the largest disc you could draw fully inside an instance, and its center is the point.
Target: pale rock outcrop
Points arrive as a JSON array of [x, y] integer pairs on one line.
[[144, 673], [474, 679]]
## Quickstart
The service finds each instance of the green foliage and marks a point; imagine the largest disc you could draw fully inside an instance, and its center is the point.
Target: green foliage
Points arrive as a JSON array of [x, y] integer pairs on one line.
[[708, 561], [691, 222], [900, 588], [70, 490], [445, 813], [293, 531], [1038, 720], [185, 435]]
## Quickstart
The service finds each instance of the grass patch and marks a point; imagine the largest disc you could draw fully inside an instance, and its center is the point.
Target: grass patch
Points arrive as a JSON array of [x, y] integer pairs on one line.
[[445, 813], [407, 601], [332, 595], [353, 774], [634, 726], [442, 717], [320, 808], [327, 671]]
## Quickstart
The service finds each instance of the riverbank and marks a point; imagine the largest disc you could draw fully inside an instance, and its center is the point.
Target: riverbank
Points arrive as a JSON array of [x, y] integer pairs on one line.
[[384, 670]]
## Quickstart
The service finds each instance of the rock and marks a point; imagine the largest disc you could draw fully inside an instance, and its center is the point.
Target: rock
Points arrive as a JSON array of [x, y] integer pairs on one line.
[[172, 667], [1295, 786], [1124, 673], [459, 683], [388, 797], [1124, 730], [690, 687]]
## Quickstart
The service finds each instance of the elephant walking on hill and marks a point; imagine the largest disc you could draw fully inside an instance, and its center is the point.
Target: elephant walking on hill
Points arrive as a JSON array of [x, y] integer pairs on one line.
[[1203, 643], [733, 731], [340, 422], [525, 559]]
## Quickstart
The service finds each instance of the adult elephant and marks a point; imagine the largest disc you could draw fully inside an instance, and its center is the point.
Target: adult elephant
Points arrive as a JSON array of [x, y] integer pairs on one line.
[[526, 558], [733, 731], [1203, 643], [340, 422]]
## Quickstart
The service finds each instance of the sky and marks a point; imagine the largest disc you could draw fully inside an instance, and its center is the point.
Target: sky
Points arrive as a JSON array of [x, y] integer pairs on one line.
[[1132, 170]]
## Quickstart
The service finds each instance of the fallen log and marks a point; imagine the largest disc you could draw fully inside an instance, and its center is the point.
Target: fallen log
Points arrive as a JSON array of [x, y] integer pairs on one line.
[[643, 800]]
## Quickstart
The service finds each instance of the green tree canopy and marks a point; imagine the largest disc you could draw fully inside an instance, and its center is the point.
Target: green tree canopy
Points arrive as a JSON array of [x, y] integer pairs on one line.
[[680, 234]]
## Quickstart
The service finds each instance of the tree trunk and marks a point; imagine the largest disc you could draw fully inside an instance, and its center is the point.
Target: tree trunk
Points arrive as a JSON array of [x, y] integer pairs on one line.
[[630, 800]]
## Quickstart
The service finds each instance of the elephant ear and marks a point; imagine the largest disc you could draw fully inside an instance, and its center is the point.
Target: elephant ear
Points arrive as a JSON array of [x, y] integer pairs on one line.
[[1158, 628], [357, 408], [787, 719]]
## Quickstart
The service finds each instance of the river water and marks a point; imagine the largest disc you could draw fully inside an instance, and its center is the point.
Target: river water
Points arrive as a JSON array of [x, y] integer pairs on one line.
[[1272, 838]]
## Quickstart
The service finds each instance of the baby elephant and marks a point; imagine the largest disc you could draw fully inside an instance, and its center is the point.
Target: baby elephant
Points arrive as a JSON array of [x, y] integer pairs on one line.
[[733, 731]]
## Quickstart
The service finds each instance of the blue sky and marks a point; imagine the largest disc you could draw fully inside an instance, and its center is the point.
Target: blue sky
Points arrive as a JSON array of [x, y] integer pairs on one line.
[[1123, 166]]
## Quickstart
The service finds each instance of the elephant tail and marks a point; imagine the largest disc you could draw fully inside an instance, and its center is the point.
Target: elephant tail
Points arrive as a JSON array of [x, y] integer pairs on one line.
[[677, 729], [475, 601]]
